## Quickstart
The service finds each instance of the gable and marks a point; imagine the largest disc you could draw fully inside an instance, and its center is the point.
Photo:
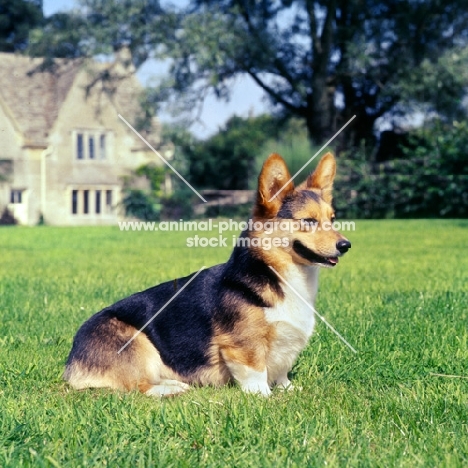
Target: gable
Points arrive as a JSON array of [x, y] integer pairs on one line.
[[33, 97]]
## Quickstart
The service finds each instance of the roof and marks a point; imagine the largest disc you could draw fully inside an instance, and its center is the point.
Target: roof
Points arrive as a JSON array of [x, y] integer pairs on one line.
[[34, 97]]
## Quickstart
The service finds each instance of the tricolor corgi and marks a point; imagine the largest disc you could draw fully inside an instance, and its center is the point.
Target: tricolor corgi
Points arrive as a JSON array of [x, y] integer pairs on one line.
[[237, 321]]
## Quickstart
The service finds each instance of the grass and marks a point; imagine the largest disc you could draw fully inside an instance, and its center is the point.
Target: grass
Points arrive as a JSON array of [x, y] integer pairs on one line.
[[399, 297]]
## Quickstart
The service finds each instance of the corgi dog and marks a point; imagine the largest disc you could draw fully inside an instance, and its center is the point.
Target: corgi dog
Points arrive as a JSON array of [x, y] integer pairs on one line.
[[238, 321]]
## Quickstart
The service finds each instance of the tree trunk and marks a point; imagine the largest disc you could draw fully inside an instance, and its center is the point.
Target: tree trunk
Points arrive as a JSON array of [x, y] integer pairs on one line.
[[320, 100], [320, 112]]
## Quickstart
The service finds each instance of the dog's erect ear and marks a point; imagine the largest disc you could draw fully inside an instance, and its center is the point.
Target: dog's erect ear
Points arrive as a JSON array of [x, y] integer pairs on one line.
[[322, 178], [273, 176]]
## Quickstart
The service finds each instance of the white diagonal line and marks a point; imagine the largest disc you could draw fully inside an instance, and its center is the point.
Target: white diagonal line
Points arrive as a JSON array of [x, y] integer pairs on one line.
[[315, 312], [160, 310], [449, 376], [313, 157], [162, 159]]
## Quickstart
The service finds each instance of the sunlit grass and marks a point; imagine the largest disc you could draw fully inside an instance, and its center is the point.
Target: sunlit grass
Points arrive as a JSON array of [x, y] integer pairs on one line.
[[399, 297]]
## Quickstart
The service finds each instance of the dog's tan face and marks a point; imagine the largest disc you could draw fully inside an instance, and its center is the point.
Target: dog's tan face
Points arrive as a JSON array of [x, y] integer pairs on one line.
[[304, 216]]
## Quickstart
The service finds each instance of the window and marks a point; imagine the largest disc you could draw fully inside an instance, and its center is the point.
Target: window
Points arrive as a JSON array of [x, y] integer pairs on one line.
[[108, 201], [79, 146], [93, 201], [85, 201], [74, 201], [98, 202], [91, 147], [102, 146], [16, 196]]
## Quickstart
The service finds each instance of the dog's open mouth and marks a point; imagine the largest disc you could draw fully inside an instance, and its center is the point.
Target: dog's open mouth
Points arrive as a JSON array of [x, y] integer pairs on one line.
[[311, 256]]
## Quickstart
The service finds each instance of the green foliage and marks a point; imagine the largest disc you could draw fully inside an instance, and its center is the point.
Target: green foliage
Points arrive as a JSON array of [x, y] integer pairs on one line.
[[61, 36], [179, 203], [375, 57], [41, 221], [383, 407], [444, 146], [140, 202], [103, 27], [305, 55], [227, 160], [144, 194], [7, 218], [155, 176], [432, 181], [439, 85], [17, 19], [294, 146], [241, 212]]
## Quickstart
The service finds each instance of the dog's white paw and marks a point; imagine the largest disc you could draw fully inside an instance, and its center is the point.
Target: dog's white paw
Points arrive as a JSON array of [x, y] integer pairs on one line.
[[250, 380], [285, 386], [167, 388], [261, 388]]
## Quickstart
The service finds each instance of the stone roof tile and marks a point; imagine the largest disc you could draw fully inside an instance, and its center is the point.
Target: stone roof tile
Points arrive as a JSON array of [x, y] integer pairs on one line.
[[34, 97]]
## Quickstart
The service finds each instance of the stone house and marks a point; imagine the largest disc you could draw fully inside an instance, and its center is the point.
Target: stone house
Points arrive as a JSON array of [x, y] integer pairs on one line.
[[63, 148]]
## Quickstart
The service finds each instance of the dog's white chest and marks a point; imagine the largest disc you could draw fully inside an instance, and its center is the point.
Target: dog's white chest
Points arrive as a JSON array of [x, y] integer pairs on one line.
[[293, 319], [300, 293]]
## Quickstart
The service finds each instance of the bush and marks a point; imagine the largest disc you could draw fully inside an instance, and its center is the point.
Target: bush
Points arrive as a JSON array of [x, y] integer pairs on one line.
[[7, 218], [143, 203], [227, 160], [179, 204], [432, 181], [294, 146]]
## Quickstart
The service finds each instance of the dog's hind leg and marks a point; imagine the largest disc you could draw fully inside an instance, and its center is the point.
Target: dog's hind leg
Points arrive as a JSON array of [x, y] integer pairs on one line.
[[98, 358]]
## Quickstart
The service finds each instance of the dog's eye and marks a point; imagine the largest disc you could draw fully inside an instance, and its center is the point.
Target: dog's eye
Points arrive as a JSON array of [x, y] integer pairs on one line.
[[332, 219], [309, 221]]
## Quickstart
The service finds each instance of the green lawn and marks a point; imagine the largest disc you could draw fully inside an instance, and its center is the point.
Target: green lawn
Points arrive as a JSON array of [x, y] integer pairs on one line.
[[399, 297]]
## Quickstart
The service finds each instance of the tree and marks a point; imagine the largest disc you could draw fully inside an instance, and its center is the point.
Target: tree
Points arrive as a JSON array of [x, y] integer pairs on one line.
[[102, 27], [227, 160], [321, 61], [61, 36], [17, 18]]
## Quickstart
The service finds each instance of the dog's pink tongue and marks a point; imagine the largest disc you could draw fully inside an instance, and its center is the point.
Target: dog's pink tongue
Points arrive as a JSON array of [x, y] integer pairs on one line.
[[333, 260]]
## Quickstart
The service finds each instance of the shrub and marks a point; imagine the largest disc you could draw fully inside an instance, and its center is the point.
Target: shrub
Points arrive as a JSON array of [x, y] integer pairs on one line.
[[143, 203], [7, 218], [432, 181]]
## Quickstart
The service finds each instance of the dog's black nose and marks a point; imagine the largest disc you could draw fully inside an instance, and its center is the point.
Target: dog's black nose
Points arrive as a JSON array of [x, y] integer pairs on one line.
[[343, 245]]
